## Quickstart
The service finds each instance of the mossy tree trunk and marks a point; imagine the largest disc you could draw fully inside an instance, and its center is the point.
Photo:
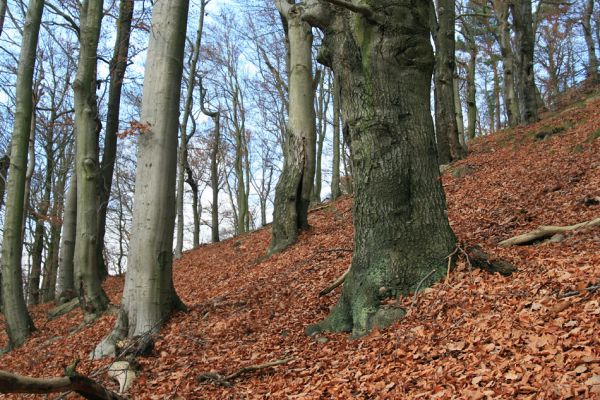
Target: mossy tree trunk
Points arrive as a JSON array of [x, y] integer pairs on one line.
[[17, 320], [293, 190], [149, 296], [87, 128], [383, 56]]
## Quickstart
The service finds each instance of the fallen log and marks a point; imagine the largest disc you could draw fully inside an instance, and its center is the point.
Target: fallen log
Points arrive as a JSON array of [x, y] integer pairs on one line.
[[334, 284], [225, 380], [82, 385], [546, 231], [480, 259]]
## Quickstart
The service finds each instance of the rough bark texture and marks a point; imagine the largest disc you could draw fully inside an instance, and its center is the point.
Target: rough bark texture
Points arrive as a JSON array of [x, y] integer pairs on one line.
[[402, 234], [586, 22], [118, 66], [471, 94], [525, 42], [511, 104], [449, 147], [149, 296], [87, 127], [66, 268], [335, 175], [292, 193], [17, 320]]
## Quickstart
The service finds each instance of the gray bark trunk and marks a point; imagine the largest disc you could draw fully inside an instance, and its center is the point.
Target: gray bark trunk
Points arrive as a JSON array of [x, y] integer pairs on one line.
[[402, 235], [118, 66], [525, 42], [149, 296], [586, 22], [471, 94], [2, 15], [66, 268], [511, 104], [335, 175], [460, 122], [87, 128], [17, 320], [293, 190]]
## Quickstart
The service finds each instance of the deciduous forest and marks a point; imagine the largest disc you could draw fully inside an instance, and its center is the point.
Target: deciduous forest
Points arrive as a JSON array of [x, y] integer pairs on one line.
[[316, 199]]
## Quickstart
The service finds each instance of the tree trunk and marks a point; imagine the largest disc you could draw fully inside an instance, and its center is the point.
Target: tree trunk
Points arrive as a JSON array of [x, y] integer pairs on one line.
[[149, 296], [586, 22], [335, 175], [66, 267], [185, 138], [471, 94], [195, 202], [18, 322], [449, 147], [292, 193], [322, 107], [52, 260], [2, 15], [460, 122], [214, 180], [87, 128], [510, 101], [402, 235], [118, 66], [525, 42]]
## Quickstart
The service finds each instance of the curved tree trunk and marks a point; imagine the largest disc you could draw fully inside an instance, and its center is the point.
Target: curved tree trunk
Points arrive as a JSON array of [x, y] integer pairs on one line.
[[118, 66], [293, 190], [87, 128], [18, 322], [149, 296], [402, 234]]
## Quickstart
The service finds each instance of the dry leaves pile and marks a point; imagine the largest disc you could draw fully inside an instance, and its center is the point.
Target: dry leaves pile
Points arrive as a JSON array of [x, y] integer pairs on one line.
[[475, 336]]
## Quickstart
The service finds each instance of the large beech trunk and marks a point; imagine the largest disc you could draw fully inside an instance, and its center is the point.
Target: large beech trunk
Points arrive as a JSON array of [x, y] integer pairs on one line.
[[402, 235], [87, 128], [18, 322], [66, 268], [149, 296], [293, 190]]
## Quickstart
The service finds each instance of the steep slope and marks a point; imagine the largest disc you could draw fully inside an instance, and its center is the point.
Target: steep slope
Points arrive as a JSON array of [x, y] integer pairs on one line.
[[473, 336]]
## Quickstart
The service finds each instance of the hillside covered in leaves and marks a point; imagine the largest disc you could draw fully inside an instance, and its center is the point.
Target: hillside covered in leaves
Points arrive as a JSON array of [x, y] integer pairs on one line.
[[532, 335]]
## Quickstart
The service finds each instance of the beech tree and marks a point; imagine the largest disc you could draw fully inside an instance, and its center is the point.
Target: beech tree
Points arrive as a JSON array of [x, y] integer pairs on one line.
[[17, 319], [586, 23], [149, 295], [402, 235], [293, 190]]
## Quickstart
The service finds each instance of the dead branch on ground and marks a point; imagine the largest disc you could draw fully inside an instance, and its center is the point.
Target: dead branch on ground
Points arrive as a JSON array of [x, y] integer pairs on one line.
[[225, 380], [544, 232]]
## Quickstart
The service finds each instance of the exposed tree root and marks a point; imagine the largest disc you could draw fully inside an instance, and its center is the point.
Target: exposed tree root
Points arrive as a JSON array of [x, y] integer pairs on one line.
[[226, 380], [84, 386], [544, 232]]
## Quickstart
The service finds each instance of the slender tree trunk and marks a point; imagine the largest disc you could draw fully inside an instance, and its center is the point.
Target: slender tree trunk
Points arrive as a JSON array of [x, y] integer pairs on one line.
[[322, 107], [87, 128], [335, 175], [195, 203], [118, 66], [586, 22], [460, 122], [525, 40], [471, 94], [214, 179], [66, 267], [17, 320], [510, 101], [402, 235], [49, 282], [2, 15], [149, 296], [496, 97], [183, 143], [449, 147], [292, 193]]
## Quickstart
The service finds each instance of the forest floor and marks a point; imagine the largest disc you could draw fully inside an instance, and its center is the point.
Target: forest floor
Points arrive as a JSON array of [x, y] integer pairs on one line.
[[474, 336]]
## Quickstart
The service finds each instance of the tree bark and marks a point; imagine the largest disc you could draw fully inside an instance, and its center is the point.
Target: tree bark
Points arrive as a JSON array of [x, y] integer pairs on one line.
[[293, 190], [335, 175], [66, 267], [525, 42], [449, 147], [402, 233], [18, 322], [2, 15], [149, 296], [118, 67], [87, 128], [586, 22], [460, 122], [471, 94], [511, 104]]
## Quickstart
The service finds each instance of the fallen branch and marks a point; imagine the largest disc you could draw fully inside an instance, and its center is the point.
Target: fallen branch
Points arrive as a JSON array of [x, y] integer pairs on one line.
[[64, 308], [334, 284], [225, 380], [84, 386], [480, 259], [590, 289], [544, 232]]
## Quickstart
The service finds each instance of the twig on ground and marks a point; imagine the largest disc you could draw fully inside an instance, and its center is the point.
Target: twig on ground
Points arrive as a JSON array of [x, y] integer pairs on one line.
[[415, 301], [225, 380]]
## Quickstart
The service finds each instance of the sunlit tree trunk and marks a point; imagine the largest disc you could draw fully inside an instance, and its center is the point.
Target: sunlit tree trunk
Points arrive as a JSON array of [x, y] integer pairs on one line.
[[17, 320], [87, 128], [471, 93], [118, 66], [293, 190], [149, 296]]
